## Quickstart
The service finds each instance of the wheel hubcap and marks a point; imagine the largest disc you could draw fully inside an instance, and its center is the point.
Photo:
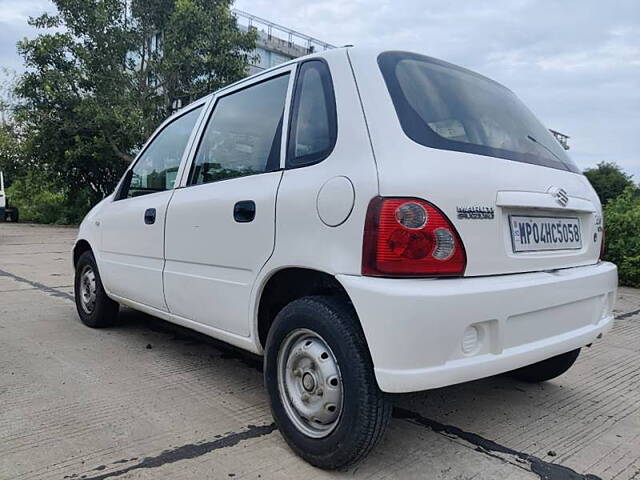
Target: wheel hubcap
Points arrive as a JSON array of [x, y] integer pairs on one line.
[[88, 290], [310, 383]]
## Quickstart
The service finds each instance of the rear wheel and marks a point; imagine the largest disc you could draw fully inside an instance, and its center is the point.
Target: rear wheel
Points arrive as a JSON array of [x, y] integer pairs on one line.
[[94, 307], [319, 376], [11, 215], [547, 369]]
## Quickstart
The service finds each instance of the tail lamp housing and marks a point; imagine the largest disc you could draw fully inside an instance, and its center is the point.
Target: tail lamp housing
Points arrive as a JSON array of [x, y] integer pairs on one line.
[[410, 237]]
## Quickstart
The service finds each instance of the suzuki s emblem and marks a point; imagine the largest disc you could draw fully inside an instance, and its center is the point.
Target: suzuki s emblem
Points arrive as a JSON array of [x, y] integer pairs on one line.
[[560, 194]]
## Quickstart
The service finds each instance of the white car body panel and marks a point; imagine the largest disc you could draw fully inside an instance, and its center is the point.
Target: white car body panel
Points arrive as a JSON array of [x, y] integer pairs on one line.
[[3, 198], [132, 253], [211, 260], [212, 271], [415, 327]]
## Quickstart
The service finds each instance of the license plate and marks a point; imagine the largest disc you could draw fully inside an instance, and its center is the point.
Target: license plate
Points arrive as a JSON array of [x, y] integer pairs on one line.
[[530, 234]]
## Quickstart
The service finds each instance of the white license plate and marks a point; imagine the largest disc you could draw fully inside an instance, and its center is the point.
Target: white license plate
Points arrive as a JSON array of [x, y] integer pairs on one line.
[[530, 234]]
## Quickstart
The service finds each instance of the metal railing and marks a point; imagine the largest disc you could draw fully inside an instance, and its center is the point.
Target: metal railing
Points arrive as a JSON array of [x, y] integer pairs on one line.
[[562, 138], [272, 29]]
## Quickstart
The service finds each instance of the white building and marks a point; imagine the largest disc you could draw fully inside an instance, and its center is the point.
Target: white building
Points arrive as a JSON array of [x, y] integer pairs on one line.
[[276, 44]]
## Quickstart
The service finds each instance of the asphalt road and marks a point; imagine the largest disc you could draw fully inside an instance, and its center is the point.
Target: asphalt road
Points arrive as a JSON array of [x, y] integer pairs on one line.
[[149, 400]]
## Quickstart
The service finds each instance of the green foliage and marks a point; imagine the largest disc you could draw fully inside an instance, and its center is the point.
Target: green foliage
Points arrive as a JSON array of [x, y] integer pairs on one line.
[[105, 73], [622, 228], [39, 201], [608, 180], [35, 200], [10, 153]]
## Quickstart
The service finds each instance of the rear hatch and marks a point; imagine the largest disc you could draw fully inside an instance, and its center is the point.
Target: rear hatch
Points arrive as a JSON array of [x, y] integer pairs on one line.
[[470, 147]]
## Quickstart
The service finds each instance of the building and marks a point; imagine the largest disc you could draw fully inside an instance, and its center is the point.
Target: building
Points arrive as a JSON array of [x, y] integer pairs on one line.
[[276, 44]]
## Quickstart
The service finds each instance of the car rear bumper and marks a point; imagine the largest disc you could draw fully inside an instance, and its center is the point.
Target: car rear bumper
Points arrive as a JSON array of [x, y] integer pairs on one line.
[[420, 335]]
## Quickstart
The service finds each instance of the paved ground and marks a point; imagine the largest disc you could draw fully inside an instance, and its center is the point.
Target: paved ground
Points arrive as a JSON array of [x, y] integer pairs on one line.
[[149, 400]]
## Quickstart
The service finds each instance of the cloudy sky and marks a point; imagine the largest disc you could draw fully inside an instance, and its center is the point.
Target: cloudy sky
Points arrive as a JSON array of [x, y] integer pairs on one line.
[[576, 63]]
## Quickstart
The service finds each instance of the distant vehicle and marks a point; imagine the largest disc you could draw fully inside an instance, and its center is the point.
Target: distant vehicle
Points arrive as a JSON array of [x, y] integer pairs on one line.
[[370, 222], [7, 212]]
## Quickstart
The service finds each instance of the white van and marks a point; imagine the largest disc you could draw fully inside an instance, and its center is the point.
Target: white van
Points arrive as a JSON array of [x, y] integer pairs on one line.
[[370, 222]]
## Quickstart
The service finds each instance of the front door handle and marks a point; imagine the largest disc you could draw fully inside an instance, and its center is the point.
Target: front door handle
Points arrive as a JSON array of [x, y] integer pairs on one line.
[[244, 211], [150, 216]]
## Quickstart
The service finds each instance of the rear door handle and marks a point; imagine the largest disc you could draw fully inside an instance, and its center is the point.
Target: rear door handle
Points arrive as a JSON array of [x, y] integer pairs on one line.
[[244, 211], [150, 216]]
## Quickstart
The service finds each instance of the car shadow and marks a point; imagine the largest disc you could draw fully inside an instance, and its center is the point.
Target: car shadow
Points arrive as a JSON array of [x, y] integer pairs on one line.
[[482, 413]]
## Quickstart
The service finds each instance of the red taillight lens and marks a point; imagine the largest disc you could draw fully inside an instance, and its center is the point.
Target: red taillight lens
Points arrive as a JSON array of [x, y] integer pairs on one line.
[[603, 245], [410, 237]]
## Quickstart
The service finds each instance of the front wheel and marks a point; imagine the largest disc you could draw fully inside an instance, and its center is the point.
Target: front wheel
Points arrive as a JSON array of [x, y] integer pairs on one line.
[[547, 369], [320, 380], [94, 307]]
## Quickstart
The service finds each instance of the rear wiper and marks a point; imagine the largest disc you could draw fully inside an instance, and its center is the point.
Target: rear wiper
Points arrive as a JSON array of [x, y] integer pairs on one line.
[[547, 149]]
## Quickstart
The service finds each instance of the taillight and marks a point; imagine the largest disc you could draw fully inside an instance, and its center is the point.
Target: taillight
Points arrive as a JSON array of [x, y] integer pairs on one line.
[[410, 237], [603, 245]]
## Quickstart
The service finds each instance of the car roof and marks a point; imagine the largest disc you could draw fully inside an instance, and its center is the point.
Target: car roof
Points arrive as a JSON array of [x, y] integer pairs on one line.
[[357, 51]]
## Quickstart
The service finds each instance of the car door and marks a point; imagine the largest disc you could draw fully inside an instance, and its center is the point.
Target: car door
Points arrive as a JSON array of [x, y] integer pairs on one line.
[[220, 224], [132, 224]]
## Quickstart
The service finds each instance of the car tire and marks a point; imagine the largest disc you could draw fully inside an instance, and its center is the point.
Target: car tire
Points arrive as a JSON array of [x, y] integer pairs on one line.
[[547, 369], [95, 308], [316, 347], [11, 215]]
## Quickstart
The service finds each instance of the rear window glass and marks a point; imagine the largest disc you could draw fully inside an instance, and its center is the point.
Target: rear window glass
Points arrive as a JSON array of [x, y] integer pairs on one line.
[[313, 123], [443, 106]]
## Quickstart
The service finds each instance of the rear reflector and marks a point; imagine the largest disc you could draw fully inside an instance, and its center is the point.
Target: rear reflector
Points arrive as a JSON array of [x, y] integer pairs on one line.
[[410, 237]]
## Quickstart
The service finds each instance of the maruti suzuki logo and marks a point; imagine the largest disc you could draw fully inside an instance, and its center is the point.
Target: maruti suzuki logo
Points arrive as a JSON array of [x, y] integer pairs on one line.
[[560, 194]]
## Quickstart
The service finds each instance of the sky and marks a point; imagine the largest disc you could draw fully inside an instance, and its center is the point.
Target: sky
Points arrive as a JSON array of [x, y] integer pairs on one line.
[[575, 63]]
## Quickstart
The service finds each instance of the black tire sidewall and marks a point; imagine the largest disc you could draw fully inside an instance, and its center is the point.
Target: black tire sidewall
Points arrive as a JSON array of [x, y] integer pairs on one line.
[[103, 311], [355, 368]]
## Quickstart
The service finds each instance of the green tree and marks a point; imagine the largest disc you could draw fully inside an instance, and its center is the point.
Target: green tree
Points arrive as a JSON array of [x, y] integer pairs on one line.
[[608, 180], [103, 75], [622, 228]]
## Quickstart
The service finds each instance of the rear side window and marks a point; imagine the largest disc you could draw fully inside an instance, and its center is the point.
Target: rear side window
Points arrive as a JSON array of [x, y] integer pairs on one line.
[[243, 134], [443, 106], [313, 121], [157, 167]]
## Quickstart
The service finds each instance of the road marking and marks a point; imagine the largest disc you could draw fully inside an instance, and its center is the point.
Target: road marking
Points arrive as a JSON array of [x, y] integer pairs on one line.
[[39, 286], [545, 470], [186, 452]]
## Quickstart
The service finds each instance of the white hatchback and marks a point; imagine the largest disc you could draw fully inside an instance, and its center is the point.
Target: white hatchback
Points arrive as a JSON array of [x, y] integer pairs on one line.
[[371, 222]]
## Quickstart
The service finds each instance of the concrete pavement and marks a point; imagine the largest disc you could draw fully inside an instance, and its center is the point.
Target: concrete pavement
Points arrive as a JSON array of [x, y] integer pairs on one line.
[[146, 399]]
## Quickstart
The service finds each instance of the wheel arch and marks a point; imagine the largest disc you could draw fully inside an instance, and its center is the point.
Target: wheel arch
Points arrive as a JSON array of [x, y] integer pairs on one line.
[[79, 248], [286, 285]]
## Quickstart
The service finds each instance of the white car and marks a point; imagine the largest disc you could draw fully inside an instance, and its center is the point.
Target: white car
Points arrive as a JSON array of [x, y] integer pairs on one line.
[[371, 223]]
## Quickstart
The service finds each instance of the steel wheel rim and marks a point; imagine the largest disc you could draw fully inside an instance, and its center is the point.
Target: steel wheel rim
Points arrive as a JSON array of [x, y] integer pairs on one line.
[[88, 289], [310, 383]]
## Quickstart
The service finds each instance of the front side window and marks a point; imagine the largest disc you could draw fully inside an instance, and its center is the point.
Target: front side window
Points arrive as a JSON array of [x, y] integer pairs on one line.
[[443, 106], [157, 168], [243, 134], [313, 121]]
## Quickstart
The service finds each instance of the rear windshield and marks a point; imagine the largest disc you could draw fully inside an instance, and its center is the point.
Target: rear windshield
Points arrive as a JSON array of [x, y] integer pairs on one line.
[[444, 106]]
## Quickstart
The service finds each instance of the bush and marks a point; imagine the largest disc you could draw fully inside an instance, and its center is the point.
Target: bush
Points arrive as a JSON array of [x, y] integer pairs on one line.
[[622, 228], [40, 202], [608, 180]]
